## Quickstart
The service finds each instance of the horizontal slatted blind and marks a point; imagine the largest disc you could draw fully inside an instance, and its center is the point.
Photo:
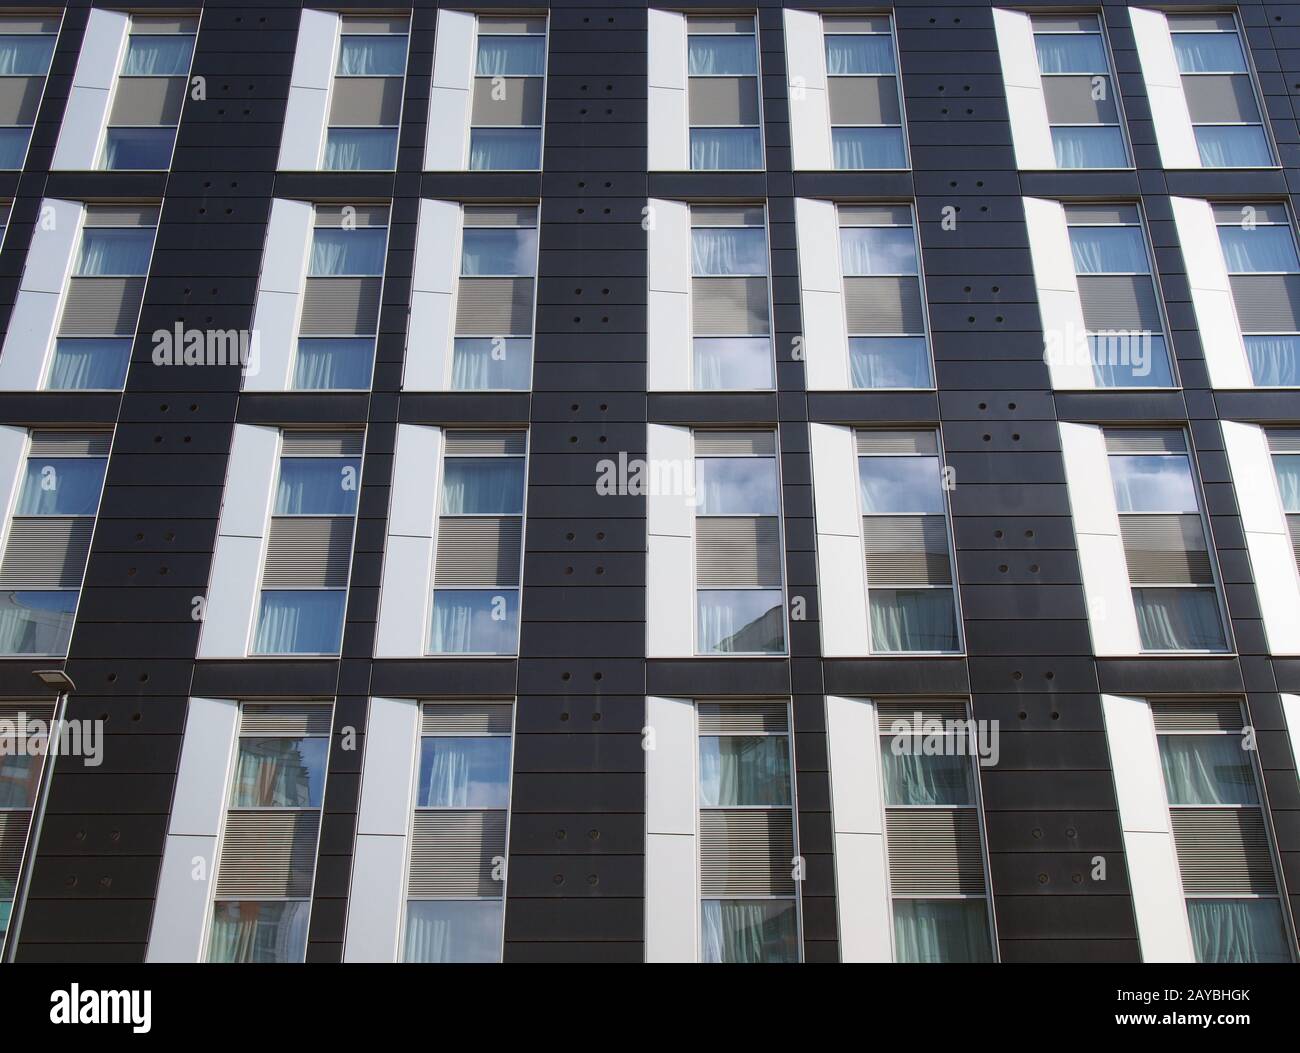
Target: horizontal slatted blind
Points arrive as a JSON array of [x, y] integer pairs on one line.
[[308, 551], [1197, 714], [70, 443], [268, 854], [321, 443], [285, 719], [353, 215], [1284, 440], [737, 551], [494, 307], [101, 306], [46, 550], [735, 443], [121, 215], [500, 215], [743, 718], [888, 713], [340, 306], [1126, 302], [147, 101], [35, 710], [484, 443], [906, 550], [934, 851], [1166, 550], [478, 550], [883, 305], [465, 718], [1267, 303], [746, 852], [1223, 850], [887, 442], [452, 852], [366, 101], [1146, 440], [729, 306], [1293, 525], [13, 837]]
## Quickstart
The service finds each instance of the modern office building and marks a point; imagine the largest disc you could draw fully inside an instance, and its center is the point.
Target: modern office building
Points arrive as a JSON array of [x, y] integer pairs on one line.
[[598, 482]]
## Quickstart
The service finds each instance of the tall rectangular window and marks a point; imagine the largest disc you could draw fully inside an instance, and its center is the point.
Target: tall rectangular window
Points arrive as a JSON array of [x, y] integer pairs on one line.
[[1220, 92], [1285, 448], [268, 847], [739, 556], [102, 308], [150, 92], [1118, 295], [1165, 539], [883, 303], [26, 47], [749, 909], [455, 909], [309, 551], [723, 96], [340, 305], [366, 99], [22, 753], [49, 540], [907, 542], [1259, 253], [495, 301], [933, 832], [1079, 90], [479, 544], [862, 85], [1220, 832], [731, 328], [508, 94]]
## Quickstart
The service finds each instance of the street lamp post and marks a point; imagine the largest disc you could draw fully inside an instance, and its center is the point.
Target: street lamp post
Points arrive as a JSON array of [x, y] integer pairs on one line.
[[62, 683]]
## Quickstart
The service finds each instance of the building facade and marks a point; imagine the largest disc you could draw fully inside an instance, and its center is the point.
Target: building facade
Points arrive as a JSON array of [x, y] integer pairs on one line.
[[596, 481]]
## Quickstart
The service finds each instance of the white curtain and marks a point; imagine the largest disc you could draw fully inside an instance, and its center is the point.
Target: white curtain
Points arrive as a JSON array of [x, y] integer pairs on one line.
[[498, 252], [1108, 250], [1208, 53], [61, 486], [877, 250], [505, 149], [1207, 769], [474, 366], [463, 621], [360, 149], [26, 55], [1288, 480], [150, 55], [89, 364], [748, 931], [1130, 359], [917, 620], [941, 931], [710, 56], [868, 148], [728, 250], [13, 147], [317, 486], [303, 622], [1232, 146], [511, 56], [1070, 53], [1274, 360], [889, 362], [259, 931], [122, 251], [859, 54], [740, 621], [1179, 619], [744, 770], [465, 931], [908, 485], [470, 771], [725, 149], [1237, 930], [733, 363], [1088, 147], [347, 252], [36, 622], [1263, 248], [138, 149], [372, 55], [917, 779], [483, 486], [333, 365], [1156, 483]]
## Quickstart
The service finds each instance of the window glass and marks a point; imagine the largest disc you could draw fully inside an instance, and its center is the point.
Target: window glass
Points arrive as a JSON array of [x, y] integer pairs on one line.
[[732, 362], [744, 770], [26, 54], [19, 773], [715, 149], [1207, 769], [486, 363], [317, 486], [941, 930], [505, 149], [868, 148], [1261, 248], [728, 250], [13, 147], [61, 486], [912, 620], [1208, 53], [333, 364], [453, 930], [901, 484], [730, 56], [89, 363], [1071, 53], [877, 250], [1130, 359], [1232, 146], [360, 149], [114, 251], [299, 622], [511, 56], [259, 931], [1274, 360], [889, 362], [1152, 483], [498, 251], [279, 773], [1288, 480], [1238, 930], [1185, 619], [138, 149], [740, 621], [1083, 146], [338, 252], [36, 622], [464, 772], [749, 931], [372, 55], [1108, 250], [483, 486], [474, 621], [915, 777], [736, 486], [157, 55], [859, 54]]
